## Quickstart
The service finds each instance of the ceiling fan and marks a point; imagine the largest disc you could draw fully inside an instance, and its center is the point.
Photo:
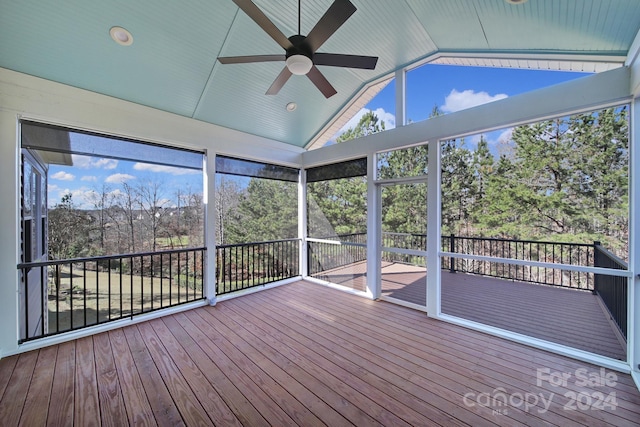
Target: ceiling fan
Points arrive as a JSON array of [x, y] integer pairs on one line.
[[300, 55]]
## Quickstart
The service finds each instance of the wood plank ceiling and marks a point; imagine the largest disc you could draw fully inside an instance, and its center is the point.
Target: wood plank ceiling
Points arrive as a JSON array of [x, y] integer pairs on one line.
[[172, 64]]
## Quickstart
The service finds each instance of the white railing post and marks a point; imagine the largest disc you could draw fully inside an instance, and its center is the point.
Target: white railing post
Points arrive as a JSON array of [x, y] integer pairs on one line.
[[302, 223], [633, 305], [433, 229], [374, 214], [209, 190]]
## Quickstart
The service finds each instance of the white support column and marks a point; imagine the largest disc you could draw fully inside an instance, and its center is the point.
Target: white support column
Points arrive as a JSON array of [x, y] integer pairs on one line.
[[633, 335], [302, 223], [401, 91], [9, 232], [373, 230], [433, 229], [209, 190]]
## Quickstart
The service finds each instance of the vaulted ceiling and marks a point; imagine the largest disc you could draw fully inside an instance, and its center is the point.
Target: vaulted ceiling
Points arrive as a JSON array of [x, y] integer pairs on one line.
[[172, 64]]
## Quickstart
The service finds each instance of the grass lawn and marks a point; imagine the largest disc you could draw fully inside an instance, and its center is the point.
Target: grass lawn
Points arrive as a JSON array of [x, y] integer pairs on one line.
[[93, 297]]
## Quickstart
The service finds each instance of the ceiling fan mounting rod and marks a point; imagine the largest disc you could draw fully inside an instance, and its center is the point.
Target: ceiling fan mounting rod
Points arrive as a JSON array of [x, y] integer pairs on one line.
[[299, 14]]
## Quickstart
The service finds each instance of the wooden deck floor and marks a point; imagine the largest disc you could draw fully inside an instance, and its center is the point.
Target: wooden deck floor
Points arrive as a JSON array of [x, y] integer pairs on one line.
[[303, 354], [564, 316]]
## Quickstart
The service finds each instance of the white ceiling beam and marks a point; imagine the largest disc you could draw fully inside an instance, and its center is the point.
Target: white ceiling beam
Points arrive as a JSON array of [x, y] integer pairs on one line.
[[401, 97], [633, 62]]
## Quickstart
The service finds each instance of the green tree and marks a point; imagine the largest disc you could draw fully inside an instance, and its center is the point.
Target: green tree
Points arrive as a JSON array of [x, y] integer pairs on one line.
[[267, 210], [368, 124], [69, 230], [567, 180], [458, 187], [339, 206]]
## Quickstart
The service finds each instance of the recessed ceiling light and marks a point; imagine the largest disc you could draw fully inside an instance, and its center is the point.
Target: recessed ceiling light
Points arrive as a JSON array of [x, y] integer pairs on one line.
[[291, 106], [121, 36], [516, 1]]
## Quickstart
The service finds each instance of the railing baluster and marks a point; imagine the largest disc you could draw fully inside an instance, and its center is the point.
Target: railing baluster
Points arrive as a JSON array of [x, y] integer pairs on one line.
[[70, 295], [97, 294], [45, 296], [131, 260], [84, 292], [57, 297], [186, 266], [170, 280], [109, 288], [121, 289], [161, 281], [152, 273], [26, 304]]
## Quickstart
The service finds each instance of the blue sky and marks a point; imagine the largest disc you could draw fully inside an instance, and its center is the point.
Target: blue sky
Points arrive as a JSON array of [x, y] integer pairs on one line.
[[454, 88], [86, 178], [450, 88]]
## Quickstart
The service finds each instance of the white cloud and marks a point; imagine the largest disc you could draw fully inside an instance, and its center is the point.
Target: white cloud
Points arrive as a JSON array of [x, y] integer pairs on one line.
[[389, 120], [116, 193], [63, 176], [83, 162], [457, 101], [87, 162], [105, 163], [80, 197], [505, 136], [119, 178], [89, 178], [164, 169]]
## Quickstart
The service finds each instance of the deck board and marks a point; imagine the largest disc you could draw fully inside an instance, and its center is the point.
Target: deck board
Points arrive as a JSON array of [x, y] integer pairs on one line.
[[86, 405], [300, 354], [435, 374], [112, 408], [153, 400], [16, 391], [40, 389], [564, 316], [61, 406]]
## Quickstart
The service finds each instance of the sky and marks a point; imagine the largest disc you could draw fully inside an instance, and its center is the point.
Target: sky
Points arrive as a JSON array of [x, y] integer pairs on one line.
[[89, 175], [454, 88], [450, 88]]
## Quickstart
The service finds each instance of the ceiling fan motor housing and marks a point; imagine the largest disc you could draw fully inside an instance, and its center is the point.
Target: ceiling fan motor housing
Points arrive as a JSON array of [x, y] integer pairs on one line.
[[300, 47]]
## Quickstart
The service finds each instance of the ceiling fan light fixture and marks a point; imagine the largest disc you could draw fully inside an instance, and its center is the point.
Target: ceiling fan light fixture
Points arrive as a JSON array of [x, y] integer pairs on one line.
[[299, 64]]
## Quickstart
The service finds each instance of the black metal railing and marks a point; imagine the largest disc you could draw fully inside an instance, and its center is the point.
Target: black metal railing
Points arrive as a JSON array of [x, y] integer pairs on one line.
[[409, 241], [611, 289], [581, 254], [246, 265], [66, 295], [324, 256]]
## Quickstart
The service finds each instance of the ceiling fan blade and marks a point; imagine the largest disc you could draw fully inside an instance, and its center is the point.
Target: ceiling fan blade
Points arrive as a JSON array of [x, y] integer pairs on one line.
[[279, 82], [264, 22], [333, 18], [250, 58], [321, 82], [348, 61]]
